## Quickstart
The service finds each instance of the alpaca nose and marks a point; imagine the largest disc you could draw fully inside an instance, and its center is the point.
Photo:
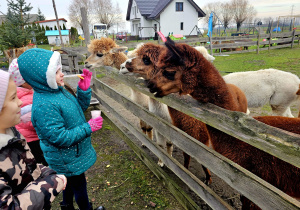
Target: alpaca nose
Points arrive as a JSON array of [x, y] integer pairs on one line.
[[151, 87]]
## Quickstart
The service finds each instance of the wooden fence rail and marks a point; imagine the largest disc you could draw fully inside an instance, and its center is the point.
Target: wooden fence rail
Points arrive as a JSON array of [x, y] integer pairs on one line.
[[281, 144], [273, 41]]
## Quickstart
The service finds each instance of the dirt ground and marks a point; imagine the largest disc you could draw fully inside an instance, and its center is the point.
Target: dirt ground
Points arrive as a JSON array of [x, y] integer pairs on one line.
[[218, 185]]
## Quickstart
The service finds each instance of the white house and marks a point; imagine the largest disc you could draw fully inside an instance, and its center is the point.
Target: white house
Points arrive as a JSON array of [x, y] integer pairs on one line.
[[53, 36], [52, 23], [167, 16]]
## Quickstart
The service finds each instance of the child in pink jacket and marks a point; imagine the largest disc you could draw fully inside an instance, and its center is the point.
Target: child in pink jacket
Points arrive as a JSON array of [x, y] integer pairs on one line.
[[25, 127]]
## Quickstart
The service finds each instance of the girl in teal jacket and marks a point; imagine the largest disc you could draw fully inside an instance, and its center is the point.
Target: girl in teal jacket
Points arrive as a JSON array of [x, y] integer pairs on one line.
[[59, 121]]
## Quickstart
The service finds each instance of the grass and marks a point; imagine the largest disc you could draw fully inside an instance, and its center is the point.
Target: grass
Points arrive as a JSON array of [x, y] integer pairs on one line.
[[119, 180], [285, 59]]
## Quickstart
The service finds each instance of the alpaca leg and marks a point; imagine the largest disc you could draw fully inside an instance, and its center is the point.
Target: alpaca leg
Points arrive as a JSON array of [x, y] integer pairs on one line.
[[150, 132], [161, 141], [281, 111], [186, 160], [208, 180], [170, 148], [248, 205], [147, 130]]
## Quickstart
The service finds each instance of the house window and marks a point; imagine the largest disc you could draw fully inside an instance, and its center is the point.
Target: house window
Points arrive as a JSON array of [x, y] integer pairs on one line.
[[181, 26], [179, 6]]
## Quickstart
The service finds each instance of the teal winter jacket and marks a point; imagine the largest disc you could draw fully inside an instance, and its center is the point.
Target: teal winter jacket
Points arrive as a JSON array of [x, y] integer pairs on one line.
[[57, 115]]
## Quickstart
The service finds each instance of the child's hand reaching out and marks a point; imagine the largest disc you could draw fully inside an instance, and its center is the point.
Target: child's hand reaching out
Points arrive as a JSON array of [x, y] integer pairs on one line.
[[96, 124], [84, 83]]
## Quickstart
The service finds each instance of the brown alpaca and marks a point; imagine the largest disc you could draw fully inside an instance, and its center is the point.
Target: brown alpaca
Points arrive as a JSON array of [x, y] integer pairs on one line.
[[181, 70], [144, 64], [105, 52]]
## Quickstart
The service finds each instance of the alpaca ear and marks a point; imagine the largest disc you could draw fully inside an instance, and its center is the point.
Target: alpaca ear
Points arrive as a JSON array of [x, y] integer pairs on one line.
[[175, 51], [118, 49]]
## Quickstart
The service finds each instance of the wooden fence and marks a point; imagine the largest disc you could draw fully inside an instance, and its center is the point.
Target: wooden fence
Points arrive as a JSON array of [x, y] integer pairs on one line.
[[279, 143], [238, 44]]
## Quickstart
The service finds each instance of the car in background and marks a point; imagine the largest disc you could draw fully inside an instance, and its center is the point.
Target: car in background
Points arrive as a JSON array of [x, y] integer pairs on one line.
[[121, 35]]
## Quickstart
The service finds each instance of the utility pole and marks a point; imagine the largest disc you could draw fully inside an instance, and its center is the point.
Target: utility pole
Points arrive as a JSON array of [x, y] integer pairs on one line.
[[292, 10], [61, 40]]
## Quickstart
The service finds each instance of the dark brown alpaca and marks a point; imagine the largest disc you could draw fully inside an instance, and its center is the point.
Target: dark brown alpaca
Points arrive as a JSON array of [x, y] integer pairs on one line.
[[181, 70], [145, 64]]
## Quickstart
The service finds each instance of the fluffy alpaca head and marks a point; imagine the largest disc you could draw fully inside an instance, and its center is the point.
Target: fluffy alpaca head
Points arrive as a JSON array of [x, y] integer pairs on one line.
[[104, 52], [177, 69], [205, 53], [144, 62]]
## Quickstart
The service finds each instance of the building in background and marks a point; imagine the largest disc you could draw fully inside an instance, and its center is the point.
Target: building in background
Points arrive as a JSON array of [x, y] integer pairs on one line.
[[168, 16], [52, 23], [53, 36]]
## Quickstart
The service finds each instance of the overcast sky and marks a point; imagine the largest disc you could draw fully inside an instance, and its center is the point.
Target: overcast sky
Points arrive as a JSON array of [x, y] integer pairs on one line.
[[265, 8]]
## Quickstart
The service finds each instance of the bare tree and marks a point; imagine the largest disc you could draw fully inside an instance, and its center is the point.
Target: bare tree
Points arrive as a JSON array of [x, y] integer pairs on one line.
[[105, 12], [226, 14], [242, 10], [75, 14], [212, 7]]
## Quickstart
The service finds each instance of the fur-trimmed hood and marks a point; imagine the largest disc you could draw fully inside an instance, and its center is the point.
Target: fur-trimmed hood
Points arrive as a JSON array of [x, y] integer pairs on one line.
[[38, 68], [4, 138]]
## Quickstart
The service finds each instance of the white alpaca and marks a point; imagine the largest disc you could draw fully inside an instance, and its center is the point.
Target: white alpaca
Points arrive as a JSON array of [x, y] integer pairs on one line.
[[205, 53], [268, 86]]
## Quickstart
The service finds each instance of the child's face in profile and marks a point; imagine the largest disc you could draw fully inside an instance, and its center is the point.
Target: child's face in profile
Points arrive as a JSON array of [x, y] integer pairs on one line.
[[60, 78], [11, 111]]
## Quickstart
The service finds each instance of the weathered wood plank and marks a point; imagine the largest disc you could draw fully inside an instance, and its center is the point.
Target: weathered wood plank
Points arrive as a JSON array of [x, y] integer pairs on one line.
[[251, 186], [279, 143], [210, 197], [129, 138]]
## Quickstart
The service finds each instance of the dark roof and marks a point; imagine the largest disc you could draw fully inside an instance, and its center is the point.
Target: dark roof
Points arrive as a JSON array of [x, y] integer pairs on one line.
[[152, 9], [32, 18], [45, 21]]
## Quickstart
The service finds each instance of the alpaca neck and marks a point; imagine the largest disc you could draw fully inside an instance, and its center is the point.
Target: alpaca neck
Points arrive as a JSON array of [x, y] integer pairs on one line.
[[211, 87], [118, 59]]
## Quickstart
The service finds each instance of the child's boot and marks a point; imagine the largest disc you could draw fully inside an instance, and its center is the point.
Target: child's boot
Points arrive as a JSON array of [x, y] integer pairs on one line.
[[66, 207], [98, 208]]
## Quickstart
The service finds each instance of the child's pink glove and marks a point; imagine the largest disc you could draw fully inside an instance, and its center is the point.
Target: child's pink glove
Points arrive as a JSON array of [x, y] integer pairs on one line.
[[96, 124], [85, 83]]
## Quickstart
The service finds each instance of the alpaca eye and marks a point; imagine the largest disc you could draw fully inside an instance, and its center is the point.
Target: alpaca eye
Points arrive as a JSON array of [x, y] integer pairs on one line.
[[99, 55], [169, 74], [146, 61]]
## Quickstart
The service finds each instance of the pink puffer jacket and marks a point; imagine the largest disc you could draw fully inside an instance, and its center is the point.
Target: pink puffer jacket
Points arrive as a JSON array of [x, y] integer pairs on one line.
[[26, 129]]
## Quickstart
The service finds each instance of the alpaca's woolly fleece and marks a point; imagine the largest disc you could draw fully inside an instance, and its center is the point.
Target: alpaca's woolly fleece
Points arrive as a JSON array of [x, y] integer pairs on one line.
[[102, 45]]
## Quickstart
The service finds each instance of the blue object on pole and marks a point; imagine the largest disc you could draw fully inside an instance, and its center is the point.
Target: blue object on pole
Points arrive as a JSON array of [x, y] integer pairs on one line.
[[210, 24], [276, 29]]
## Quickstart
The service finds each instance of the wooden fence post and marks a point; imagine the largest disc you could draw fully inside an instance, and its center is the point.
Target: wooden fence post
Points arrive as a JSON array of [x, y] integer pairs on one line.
[[258, 40], [293, 38], [270, 38]]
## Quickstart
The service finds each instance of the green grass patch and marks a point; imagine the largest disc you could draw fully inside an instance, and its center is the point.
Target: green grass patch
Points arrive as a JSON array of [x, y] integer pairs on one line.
[[286, 59], [100, 75]]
